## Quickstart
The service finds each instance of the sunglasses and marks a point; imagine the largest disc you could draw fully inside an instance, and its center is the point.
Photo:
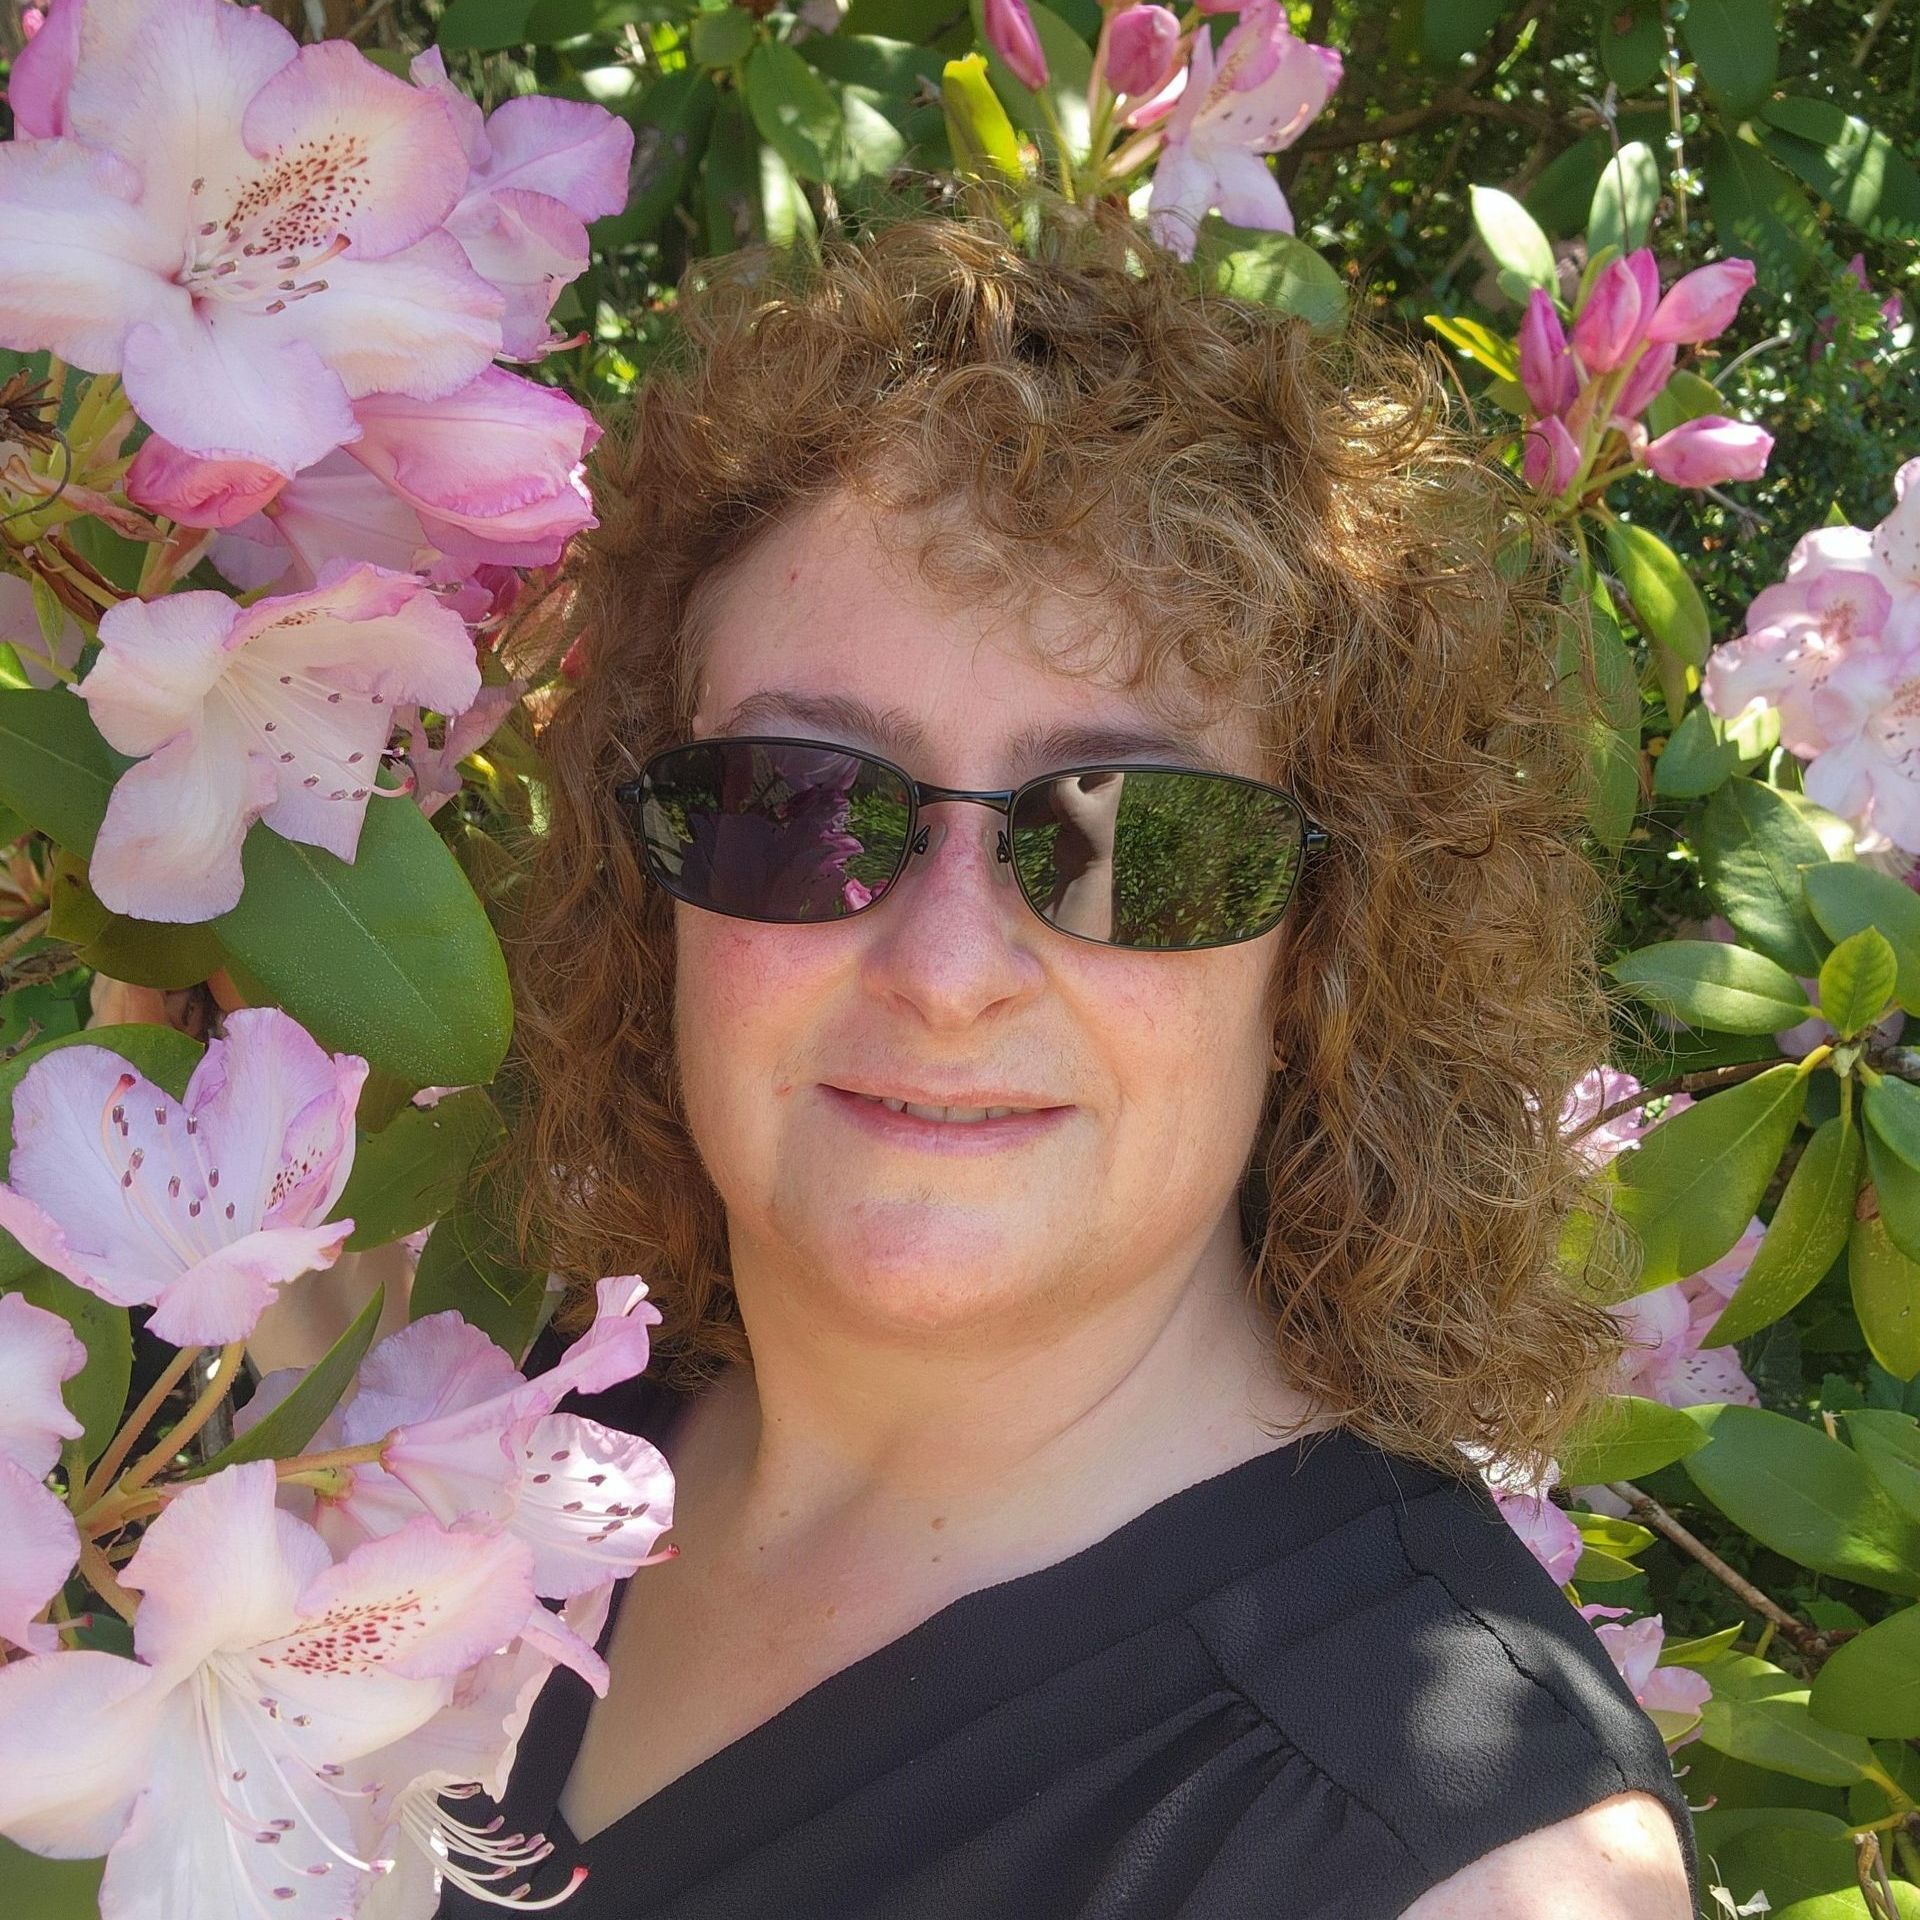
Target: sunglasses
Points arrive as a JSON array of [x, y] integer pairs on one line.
[[1162, 859]]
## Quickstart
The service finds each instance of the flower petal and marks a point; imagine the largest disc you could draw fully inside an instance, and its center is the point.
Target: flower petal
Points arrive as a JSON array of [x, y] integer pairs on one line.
[[42, 1546], [528, 246], [570, 150], [38, 1350], [221, 1298], [1249, 195], [158, 661], [336, 510], [198, 491], [70, 1798], [440, 1364], [43, 71], [593, 1501]]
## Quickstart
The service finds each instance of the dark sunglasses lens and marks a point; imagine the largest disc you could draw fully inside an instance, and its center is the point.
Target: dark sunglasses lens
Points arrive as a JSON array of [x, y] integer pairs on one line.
[[1157, 860], [772, 831]]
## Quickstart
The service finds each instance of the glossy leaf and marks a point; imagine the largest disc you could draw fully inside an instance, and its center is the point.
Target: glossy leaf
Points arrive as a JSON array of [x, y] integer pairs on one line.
[[391, 958], [1479, 343], [408, 1174], [1686, 396], [144, 953], [1513, 237], [983, 139], [55, 770], [285, 1432], [468, 1267], [1871, 1684], [1736, 47], [1695, 759], [1756, 844], [1889, 1443], [1896, 1193], [1809, 1228], [1886, 1296], [1693, 1184], [1621, 1538], [1710, 983], [1702, 1651], [1760, 209], [1666, 604], [1805, 1496], [1893, 1112], [794, 110], [1280, 272], [1632, 48], [1625, 1436], [1860, 172], [1760, 1714], [1856, 982], [1624, 201], [1845, 896]]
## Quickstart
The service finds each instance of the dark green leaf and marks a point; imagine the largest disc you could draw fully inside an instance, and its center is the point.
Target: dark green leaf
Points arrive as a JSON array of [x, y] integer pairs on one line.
[[1450, 29], [1694, 761], [1896, 1187], [1886, 1294], [1845, 896], [468, 1268], [1690, 1188], [1858, 171], [730, 178], [1737, 49], [1760, 209], [1889, 1442], [1632, 46], [391, 958], [1686, 396], [482, 25], [669, 134], [285, 1432], [1755, 844], [794, 110], [1280, 272], [1625, 1437], [408, 1174], [55, 770], [145, 953], [899, 67], [33, 1888], [1805, 1496], [1709, 983], [1809, 1228], [723, 38]]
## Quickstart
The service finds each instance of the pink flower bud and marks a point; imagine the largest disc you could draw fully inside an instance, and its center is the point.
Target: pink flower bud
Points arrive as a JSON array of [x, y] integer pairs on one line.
[[1011, 34], [1612, 321], [199, 493], [1702, 303], [1141, 45], [1704, 452], [1546, 369], [31, 21], [1650, 374], [1552, 456]]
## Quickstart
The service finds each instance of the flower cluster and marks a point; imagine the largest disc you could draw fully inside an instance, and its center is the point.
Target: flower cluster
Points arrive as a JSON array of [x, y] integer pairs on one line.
[[1835, 649], [1202, 116], [298, 292], [327, 1644], [1588, 390]]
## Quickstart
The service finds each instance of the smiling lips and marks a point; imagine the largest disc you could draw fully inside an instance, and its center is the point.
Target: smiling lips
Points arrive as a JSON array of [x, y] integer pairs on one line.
[[967, 1114]]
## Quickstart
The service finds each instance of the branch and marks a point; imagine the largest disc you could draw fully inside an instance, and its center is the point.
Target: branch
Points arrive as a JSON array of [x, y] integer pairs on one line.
[[1446, 110]]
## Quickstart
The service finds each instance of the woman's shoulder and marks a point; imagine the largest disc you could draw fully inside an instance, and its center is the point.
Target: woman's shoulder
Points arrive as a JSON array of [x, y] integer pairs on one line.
[[1428, 1670]]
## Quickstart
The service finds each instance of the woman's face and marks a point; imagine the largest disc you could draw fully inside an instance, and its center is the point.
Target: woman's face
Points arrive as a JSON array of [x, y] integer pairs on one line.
[[1143, 1073]]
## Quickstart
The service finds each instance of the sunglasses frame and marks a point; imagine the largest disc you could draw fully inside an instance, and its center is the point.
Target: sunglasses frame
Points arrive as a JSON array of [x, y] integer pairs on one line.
[[1003, 800]]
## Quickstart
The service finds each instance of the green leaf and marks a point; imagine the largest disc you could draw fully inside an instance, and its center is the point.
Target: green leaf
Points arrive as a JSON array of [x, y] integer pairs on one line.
[[794, 110], [1756, 844], [1737, 49], [1623, 203], [285, 1432], [669, 135], [1896, 1189], [983, 139], [96, 1396], [1686, 396], [145, 953], [1696, 760], [1477, 342], [1871, 1684], [871, 60], [1451, 29], [1513, 237], [1632, 46], [483, 26], [1666, 604], [1702, 1651], [409, 1173], [34, 1888], [1856, 982], [1709, 983], [1596, 1567], [1858, 171], [391, 958], [783, 203], [1810, 1226], [730, 178], [1845, 896], [1801, 1860], [1280, 272], [1614, 748], [1893, 1112], [722, 38], [1759, 1714], [1889, 1442], [55, 770], [1760, 209], [1886, 1295], [1805, 1496], [1624, 1437], [1694, 1182], [468, 1268], [1622, 1538]]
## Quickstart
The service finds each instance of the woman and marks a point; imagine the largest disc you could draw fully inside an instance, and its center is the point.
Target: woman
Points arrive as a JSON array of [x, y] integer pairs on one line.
[[1076, 1307]]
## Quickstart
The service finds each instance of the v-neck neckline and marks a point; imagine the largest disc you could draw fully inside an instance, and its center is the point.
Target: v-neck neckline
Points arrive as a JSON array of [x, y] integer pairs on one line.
[[973, 1653]]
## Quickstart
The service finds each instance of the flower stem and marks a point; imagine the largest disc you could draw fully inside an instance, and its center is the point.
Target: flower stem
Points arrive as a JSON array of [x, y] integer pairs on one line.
[[190, 1423], [99, 1576], [136, 1424], [360, 1456], [22, 935]]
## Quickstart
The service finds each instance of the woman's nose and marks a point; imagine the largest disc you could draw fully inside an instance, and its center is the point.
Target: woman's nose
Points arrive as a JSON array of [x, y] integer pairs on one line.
[[950, 940]]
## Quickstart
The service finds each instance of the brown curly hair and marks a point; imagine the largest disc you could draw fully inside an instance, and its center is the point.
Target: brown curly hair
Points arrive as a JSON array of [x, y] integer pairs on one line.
[[1287, 513]]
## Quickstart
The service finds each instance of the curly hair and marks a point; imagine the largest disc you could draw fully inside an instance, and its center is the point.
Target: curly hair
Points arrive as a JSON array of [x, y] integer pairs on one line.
[[1287, 513]]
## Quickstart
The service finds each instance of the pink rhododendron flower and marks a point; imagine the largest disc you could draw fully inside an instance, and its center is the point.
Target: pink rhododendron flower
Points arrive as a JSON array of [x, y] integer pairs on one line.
[[1702, 303], [277, 712], [38, 1350], [204, 1768], [1256, 98], [1010, 33], [539, 169], [1546, 366], [201, 1208], [1552, 456], [1592, 1095], [436, 770], [1896, 540], [253, 266], [1707, 451], [1645, 383], [1665, 1327], [1549, 1535], [1612, 321], [1673, 1696], [1141, 45]]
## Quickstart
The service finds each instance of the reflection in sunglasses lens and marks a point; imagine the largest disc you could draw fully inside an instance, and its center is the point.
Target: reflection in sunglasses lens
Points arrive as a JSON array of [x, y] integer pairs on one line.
[[1157, 860]]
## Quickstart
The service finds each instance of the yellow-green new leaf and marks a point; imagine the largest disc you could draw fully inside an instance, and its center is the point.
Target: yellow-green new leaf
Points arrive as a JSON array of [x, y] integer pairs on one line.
[[1760, 1714], [1691, 1187], [1856, 982], [1845, 896], [1809, 1228], [1624, 1437]]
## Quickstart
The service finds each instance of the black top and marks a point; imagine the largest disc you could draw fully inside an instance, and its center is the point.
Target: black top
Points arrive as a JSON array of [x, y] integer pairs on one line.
[[1308, 1688]]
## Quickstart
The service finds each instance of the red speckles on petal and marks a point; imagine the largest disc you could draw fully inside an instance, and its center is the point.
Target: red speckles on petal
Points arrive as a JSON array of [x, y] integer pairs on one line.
[[351, 1639]]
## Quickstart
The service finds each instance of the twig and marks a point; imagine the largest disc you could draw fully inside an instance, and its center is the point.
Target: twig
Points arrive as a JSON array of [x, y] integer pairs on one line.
[[190, 1423], [1701, 1080], [1649, 1512], [137, 1423], [24, 935]]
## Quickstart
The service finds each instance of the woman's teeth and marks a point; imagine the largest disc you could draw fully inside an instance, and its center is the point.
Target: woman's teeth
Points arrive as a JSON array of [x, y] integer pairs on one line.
[[965, 1116]]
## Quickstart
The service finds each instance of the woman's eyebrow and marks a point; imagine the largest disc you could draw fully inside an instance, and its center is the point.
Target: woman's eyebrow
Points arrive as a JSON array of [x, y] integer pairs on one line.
[[890, 727]]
